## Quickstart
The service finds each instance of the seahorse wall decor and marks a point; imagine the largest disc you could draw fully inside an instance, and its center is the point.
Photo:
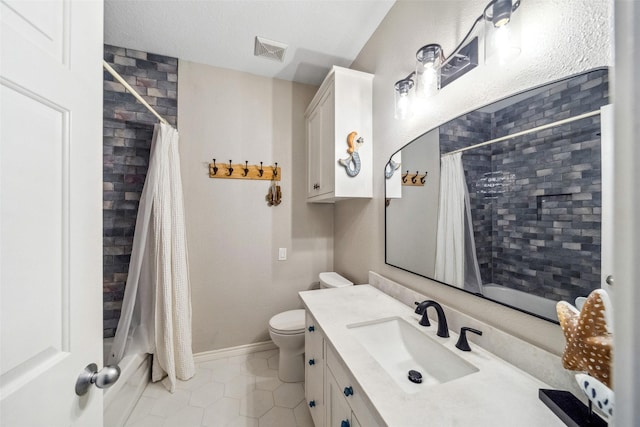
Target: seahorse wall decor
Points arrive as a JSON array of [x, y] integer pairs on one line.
[[589, 339], [352, 163]]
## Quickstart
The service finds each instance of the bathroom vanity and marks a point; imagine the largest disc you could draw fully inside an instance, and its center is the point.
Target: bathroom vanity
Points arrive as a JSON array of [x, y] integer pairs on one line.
[[359, 343]]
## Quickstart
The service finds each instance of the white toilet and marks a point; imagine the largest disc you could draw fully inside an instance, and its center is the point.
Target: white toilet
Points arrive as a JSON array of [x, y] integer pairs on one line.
[[287, 332]]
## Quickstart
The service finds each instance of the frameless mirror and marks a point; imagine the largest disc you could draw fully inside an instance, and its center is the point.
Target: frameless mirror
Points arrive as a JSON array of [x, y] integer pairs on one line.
[[517, 220]]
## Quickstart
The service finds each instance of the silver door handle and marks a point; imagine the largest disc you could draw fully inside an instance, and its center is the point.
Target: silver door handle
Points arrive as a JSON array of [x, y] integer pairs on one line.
[[104, 378], [609, 280]]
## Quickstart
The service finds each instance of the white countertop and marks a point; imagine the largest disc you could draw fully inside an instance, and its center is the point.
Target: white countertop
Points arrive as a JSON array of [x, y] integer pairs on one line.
[[499, 394]]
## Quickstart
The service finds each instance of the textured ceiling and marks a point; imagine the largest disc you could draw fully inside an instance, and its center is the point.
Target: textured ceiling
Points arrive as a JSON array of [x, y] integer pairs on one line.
[[320, 33]]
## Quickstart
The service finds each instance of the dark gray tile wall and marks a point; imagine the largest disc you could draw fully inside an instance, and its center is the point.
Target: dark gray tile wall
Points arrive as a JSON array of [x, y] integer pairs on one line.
[[127, 133], [545, 216]]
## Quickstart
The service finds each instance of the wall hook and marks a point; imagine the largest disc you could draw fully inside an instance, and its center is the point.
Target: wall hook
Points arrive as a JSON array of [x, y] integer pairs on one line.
[[261, 171], [275, 170], [404, 177], [422, 180], [413, 180], [230, 170], [215, 168], [246, 168]]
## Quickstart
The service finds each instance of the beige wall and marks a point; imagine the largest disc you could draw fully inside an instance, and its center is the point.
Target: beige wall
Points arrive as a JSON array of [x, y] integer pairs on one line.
[[559, 39], [237, 281]]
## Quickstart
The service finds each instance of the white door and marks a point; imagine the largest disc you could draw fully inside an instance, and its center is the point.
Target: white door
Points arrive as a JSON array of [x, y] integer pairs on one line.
[[50, 210]]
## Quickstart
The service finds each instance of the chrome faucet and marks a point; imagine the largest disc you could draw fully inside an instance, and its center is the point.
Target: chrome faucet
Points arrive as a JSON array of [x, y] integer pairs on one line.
[[443, 329]]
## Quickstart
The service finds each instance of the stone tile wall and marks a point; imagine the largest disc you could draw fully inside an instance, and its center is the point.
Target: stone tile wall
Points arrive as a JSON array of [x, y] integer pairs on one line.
[[545, 210], [546, 227], [127, 133]]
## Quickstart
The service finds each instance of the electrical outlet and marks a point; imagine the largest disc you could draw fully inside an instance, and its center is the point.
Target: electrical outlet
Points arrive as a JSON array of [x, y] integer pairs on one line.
[[282, 254]]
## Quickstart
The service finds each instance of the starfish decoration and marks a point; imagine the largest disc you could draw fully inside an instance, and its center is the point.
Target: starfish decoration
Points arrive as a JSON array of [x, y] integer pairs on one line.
[[589, 342]]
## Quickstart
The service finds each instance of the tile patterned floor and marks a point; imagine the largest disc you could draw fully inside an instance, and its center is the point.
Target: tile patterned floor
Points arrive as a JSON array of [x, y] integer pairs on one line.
[[234, 391]]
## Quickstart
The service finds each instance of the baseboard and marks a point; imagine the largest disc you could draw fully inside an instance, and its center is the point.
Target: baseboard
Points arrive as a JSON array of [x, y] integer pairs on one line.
[[240, 350]]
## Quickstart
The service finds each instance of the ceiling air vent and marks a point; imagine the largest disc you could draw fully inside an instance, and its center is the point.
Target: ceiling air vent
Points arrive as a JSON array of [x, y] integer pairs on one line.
[[270, 49]]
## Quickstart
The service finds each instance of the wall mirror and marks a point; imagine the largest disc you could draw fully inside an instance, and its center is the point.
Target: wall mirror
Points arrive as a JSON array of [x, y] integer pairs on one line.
[[518, 221]]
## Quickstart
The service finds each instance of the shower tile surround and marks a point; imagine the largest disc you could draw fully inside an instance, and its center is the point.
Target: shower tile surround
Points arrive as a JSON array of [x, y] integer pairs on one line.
[[127, 133], [541, 231]]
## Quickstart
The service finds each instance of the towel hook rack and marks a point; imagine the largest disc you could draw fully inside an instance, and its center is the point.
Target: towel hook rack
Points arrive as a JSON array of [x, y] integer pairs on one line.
[[244, 171]]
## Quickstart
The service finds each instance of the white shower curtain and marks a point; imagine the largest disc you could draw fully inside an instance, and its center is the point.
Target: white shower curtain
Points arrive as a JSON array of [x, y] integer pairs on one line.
[[456, 261], [156, 310]]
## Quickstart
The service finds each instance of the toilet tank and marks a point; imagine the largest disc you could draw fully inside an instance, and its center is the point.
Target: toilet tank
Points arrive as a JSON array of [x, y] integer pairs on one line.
[[331, 279]]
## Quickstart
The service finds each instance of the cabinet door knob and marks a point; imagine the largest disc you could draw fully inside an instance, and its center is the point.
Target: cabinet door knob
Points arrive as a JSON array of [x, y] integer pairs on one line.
[[312, 404], [311, 328], [344, 423], [348, 391], [312, 362]]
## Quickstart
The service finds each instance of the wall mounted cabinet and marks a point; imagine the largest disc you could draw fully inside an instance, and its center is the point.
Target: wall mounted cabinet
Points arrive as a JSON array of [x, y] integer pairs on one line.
[[342, 105]]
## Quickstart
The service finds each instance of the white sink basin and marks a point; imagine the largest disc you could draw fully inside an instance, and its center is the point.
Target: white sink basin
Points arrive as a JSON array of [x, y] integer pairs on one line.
[[399, 347]]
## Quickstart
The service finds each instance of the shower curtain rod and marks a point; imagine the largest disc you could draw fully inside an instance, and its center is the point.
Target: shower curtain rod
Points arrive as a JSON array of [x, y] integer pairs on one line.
[[525, 132], [133, 92]]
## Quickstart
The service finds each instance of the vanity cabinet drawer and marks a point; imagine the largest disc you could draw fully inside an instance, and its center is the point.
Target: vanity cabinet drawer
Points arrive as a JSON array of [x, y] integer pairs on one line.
[[354, 395], [313, 339], [314, 370]]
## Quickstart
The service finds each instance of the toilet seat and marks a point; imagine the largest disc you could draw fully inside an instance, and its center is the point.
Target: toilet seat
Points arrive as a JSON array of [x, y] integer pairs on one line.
[[288, 322]]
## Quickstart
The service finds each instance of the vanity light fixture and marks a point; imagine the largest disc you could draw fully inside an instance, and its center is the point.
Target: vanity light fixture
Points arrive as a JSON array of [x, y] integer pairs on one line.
[[502, 31], [428, 62], [403, 97], [434, 70]]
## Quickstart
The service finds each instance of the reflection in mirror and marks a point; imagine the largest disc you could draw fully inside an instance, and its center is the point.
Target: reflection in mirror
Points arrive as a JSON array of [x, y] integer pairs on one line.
[[517, 220]]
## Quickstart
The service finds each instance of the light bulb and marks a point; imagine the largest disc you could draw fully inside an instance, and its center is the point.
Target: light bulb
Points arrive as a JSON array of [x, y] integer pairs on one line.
[[503, 45], [403, 106], [428, 80]]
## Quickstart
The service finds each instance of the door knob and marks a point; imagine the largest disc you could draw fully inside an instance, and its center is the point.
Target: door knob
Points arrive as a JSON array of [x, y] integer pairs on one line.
[[104, 378], [609, 280]]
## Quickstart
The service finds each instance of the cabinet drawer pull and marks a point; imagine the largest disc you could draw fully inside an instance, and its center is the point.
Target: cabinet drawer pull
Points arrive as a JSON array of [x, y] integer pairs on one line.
[[311, 328], [348, 391], [345, 423], [312, 362], [312, 404]]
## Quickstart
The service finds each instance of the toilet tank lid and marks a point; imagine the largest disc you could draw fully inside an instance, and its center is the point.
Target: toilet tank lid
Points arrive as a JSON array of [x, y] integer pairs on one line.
[[292, 320], [334, 280]]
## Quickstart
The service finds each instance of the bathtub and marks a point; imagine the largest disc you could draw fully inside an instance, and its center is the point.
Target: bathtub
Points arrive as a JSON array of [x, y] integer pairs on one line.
[[121, 398], [532, 303]]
